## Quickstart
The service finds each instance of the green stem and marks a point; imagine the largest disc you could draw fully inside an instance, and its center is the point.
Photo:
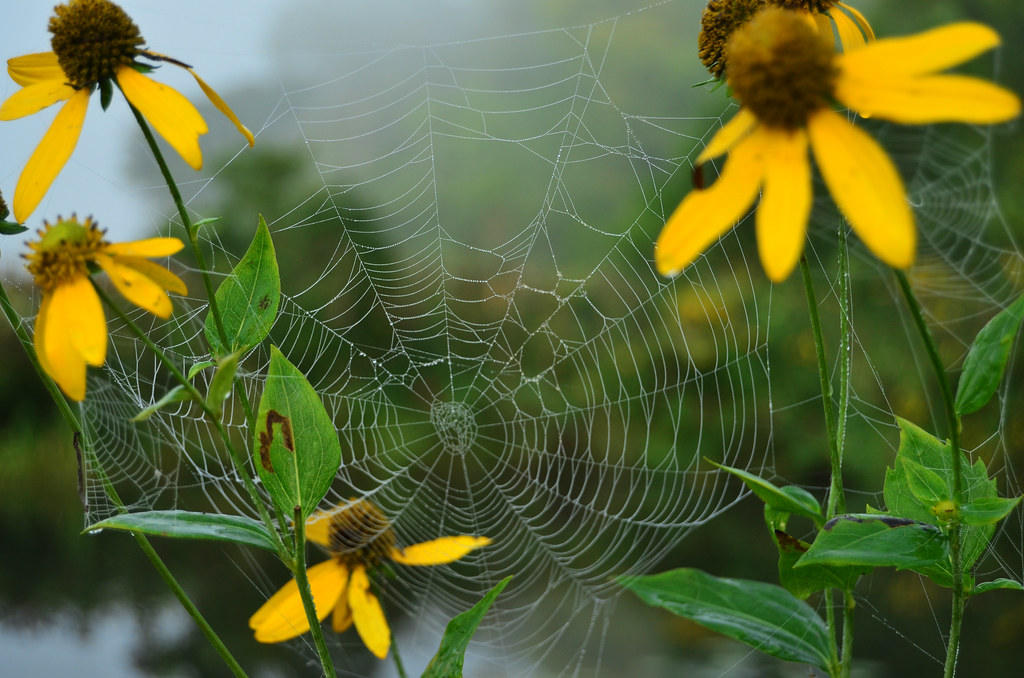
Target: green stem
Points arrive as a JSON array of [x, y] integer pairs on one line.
[[836, 497], [833, 644], [299, 569], [845, 336], [953, 419], [197, 252], [78, 432], [399, 666], [848, 609], [214, 417]]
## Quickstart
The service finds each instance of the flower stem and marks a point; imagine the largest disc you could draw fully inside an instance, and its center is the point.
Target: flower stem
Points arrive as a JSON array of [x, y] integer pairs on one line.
[[197, 252], [78, 432], [849, 605], [299, 569], [953, 419], [399, 666], [250, 486]]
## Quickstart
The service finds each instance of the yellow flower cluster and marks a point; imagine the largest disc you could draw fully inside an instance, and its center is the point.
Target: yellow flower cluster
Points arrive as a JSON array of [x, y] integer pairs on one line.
[[782, 66]]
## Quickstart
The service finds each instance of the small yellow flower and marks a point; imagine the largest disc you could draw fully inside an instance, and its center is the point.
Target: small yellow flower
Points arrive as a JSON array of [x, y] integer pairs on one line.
[[95, 43], [71, 329], [786, 75], [358, 537]]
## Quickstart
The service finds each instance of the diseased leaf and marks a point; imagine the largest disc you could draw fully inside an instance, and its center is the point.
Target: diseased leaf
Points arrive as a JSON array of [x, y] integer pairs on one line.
[[808, 579], [764, 616], [447, 663], [178, 394], [790, 499], [986, 359], [297, 448], [877, 541], [248, 299], [191, 525]]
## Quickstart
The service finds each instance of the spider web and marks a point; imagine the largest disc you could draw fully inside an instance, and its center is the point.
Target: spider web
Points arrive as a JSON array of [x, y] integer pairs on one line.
[[469, 285]]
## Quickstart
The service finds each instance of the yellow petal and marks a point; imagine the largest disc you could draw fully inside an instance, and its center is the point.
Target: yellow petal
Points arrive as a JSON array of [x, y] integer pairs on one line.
[[151, 247], [850, 36], [155, 272], [38, 338], [928, 52], [727, 137], [917, 100], [136, 286], [50, 155], [224, 108], [785, 203], [438, 551], [704, 215], [862, 23], [368, 614], [318, 526], [824, 26], [32, 68], [283, 617], [342, 617], [171, 114], [34, 98], [866, 187], [71, 331]]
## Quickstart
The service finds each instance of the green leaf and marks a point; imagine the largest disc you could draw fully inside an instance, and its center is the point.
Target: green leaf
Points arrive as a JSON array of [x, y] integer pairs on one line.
[[927, 486], [248, 299], [877, 541], [178, 394], [764, 616], [986, 359], [447, 663], [808, 579], [190, 525], [986, 510], [297, 448], [998, 584], [790, 499], [199, 367], [223, 381]]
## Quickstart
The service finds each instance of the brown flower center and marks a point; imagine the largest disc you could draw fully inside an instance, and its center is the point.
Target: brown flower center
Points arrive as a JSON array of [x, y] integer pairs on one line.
[[361, 535], [91, 39], [717, 23], [781, 68], [814, 6], [63, 252]]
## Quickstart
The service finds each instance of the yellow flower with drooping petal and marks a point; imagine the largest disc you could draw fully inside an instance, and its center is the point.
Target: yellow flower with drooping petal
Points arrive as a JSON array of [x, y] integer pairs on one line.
[[358, 537], [95, 43], [71, 329], [786, 77]]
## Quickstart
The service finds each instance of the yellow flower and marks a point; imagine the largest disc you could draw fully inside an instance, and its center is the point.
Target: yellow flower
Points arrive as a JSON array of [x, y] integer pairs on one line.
[[853, 29], [358, 537], [785, 75], [95, 43], [71, 329]]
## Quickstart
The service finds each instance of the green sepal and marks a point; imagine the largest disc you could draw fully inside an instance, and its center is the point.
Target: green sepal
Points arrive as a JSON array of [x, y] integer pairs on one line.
[[106, 93], [296, 444], [765, 616], [986, 360], [877, 541], [191, 525], [248, 299], [997, 585], [11, 228], [790, 499], [808, 579], [178, 394], [447, 663]]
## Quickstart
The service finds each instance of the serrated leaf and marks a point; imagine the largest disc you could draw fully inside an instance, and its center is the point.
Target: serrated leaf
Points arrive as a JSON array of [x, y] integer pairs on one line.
[[808, 579], [199, 367], [248, 299], [790, 499], [986, 359], [987, 510], [447, 663], [178, 394], [867, 540], [223, 381], [997, 585], [191, 525], [297, 448], [767, 617]]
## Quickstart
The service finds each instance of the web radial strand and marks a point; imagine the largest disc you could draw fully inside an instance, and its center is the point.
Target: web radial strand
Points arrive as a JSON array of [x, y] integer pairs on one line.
[[469, 286]]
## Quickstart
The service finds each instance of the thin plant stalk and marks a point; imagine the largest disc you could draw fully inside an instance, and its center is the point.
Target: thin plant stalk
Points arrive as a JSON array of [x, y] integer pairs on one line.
[[399, 666], [78, 431], [953, 419], [845, 358], [299, 569]]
